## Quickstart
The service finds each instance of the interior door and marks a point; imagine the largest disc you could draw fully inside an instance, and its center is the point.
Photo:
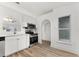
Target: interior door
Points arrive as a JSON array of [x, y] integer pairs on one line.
[[46, 33]]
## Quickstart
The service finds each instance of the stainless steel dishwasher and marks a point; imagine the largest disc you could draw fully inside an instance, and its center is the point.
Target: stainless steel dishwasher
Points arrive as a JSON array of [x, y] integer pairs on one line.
[[2, 46]]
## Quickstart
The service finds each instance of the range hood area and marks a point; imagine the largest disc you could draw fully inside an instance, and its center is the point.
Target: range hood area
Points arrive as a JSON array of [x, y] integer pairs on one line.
[[32, 31]]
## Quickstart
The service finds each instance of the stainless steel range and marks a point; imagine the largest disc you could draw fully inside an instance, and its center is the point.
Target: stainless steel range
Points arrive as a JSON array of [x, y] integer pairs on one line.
[[32, 31]]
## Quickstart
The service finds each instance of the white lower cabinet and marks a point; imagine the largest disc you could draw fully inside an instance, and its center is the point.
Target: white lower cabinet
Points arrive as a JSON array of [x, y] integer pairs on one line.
[[22, 42], [16, 43], [10, 45]]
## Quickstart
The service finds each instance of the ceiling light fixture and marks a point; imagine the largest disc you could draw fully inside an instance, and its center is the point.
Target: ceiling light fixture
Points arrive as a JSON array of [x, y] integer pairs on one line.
[[8, 19]]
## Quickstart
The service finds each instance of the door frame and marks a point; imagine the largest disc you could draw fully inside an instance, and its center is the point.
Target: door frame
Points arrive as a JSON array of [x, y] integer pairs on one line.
[[42, 26]]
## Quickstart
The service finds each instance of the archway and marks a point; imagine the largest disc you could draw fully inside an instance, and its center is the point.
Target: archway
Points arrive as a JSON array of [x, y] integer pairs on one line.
[[46, 32]]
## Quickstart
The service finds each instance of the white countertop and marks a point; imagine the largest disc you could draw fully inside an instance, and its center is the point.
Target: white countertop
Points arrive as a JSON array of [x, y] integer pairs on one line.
[[2, 34]]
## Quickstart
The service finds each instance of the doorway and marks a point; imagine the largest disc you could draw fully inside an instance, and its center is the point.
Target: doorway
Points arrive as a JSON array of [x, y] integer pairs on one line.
[[46, 33]]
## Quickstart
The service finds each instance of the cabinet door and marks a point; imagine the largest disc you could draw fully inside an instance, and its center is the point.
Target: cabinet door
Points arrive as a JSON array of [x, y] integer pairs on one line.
[[10, 45], [23, 42]]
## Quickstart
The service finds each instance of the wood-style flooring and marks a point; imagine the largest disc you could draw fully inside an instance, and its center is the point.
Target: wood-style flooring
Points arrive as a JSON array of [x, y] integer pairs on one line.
[[42, 50]]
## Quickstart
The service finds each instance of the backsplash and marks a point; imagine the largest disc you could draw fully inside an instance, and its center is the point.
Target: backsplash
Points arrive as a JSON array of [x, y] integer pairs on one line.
[[11, 26]]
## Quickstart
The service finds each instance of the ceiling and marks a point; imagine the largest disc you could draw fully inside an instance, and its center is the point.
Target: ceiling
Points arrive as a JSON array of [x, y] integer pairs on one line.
[[39, 8], [36, 8]]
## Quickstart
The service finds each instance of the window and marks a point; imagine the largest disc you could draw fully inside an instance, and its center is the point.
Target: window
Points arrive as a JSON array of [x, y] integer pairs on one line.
[[64, 28]]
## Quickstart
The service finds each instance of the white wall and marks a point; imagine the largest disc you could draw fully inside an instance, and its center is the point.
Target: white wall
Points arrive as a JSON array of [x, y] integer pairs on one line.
[[73, 11], [7, 12], [46, 30], [28, 19], [75, 28], [19, 17], [39, 24], [57, 13], [73, 44]]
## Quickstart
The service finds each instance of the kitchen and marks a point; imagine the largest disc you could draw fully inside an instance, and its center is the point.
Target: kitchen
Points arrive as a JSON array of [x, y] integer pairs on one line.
[[38, 28], [13, 36]]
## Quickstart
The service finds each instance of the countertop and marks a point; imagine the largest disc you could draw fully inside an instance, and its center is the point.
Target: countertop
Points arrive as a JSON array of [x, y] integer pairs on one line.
[[7, 34]]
